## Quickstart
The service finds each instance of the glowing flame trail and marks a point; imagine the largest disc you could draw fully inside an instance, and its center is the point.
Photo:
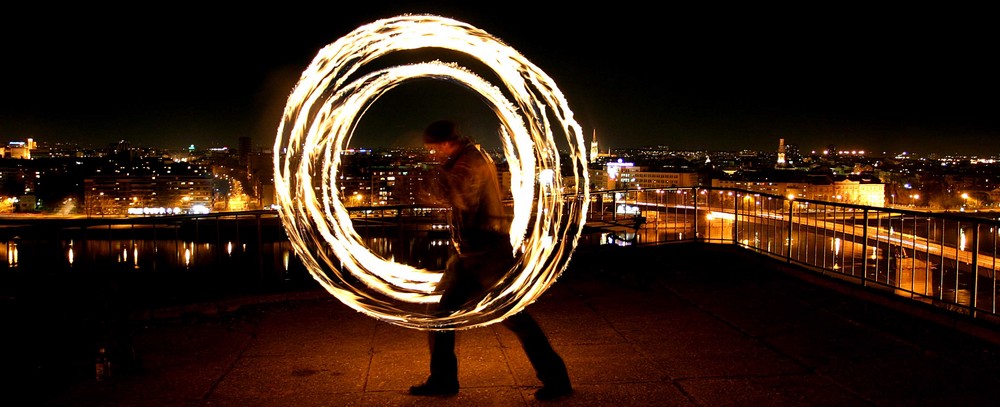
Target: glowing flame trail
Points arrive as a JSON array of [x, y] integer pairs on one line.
[[319, 119]]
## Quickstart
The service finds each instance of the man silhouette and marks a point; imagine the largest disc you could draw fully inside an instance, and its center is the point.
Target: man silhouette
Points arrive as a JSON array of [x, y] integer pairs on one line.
[[467, 181]]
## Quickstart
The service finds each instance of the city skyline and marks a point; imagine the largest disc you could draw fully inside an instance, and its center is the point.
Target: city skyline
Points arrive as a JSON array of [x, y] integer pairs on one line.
[[882, 80]]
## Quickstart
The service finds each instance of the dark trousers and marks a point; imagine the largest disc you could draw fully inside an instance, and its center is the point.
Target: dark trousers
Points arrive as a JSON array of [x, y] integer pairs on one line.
[[466, 279], [549, 366]]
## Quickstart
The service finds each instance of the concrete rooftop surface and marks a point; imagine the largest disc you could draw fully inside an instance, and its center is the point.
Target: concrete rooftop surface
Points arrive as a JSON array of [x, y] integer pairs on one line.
[[676, 325]]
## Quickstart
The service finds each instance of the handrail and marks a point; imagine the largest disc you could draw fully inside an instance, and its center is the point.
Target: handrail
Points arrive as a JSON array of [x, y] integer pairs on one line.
[[944, 259]]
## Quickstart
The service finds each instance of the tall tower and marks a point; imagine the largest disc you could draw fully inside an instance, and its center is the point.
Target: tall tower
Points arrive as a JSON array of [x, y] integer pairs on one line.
[[781, 153], [244, 152], [593, 148]]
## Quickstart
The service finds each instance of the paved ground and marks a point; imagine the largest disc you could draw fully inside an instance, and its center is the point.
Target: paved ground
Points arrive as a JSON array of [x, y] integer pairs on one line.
[[681, 325]]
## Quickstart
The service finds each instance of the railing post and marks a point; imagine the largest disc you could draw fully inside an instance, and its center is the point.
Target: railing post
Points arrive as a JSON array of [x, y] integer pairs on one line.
[[788, 252], [695, 193], [399, 221], [218, 236], [260, 251], [236, 222], [975, 270], [614, 206], [864, 250], [959, 232], [736, 216], [940, 283]]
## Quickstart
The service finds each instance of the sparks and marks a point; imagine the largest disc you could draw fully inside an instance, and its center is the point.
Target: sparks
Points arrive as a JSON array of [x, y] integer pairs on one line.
[[325, 107]]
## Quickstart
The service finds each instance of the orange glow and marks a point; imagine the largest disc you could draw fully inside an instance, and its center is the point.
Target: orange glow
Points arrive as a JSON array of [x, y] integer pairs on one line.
[[324, 108]]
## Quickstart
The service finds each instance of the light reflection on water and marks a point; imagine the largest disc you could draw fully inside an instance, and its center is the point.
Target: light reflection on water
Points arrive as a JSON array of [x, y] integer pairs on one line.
[[134, 254], [913, 273], [252, 258], [12, 257]]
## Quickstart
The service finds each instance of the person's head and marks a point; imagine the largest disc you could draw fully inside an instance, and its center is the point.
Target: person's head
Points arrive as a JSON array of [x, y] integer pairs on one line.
[[442, 138]]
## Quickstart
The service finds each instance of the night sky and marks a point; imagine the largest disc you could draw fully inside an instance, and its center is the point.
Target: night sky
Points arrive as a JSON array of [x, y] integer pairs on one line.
[[714, 77]]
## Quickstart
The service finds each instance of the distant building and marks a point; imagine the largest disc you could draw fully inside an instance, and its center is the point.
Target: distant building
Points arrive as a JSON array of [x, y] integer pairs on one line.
[[626, 175], [598, 179], [594, 151], [18, 149], [568, 186], [792, 155], [397, 185], [653, 179], [27, 203], [503, 176], [369, 178], [782, 163], [620, 175], [868, 191], [244, 152], [152, 195]]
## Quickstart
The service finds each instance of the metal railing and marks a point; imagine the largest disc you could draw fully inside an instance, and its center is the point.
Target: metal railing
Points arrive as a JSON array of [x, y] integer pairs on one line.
[[944, 259]]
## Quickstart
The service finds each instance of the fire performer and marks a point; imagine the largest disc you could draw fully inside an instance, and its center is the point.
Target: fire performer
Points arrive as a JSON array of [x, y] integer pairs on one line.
[[467, 181]]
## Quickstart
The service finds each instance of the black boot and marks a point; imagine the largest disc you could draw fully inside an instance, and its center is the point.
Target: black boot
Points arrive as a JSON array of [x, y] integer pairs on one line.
[[553, 391], [435, 388]]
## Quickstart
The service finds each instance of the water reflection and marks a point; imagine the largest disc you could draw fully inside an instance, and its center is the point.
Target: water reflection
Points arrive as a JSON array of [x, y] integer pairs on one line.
[[12, 256], [899, 262]]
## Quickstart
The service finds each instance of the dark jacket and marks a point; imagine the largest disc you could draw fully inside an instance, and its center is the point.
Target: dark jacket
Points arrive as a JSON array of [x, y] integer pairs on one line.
[[468, 182]]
